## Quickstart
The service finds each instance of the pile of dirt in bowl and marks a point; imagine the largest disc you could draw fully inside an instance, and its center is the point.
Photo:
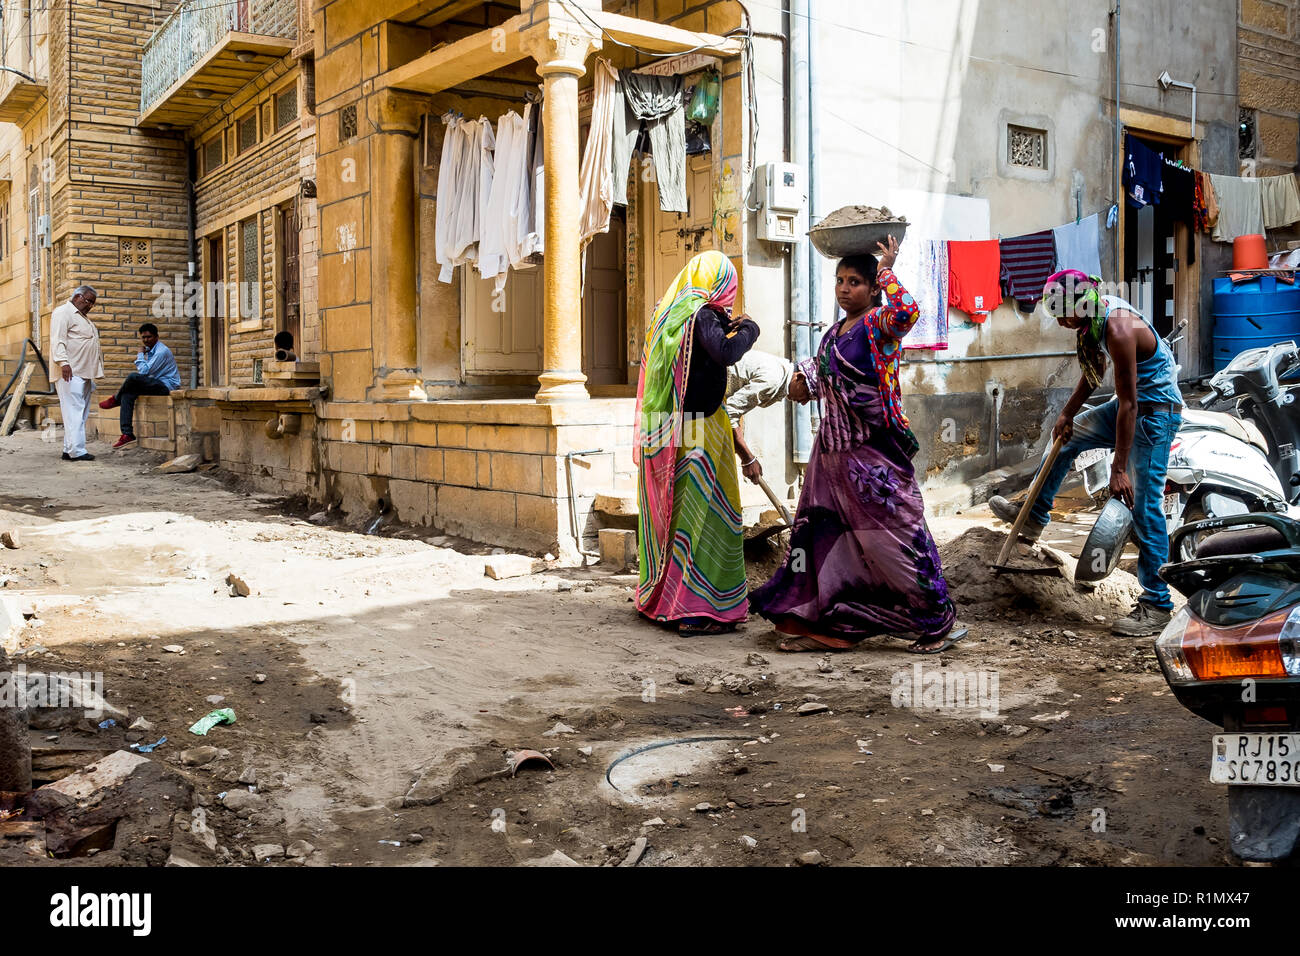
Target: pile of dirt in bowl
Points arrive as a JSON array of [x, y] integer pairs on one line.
[[982, 594], [858, 216]]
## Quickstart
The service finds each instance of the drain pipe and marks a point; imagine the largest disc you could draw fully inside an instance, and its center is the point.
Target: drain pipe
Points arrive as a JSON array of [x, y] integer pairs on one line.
[[573, 502], [816, 291], [191, 202], [1119, 146], [801, 316]]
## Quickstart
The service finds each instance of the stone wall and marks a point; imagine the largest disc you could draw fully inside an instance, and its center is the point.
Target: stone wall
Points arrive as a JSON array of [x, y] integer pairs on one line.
[[490, 471], [119, 193], [263, 181], [1268, 48]]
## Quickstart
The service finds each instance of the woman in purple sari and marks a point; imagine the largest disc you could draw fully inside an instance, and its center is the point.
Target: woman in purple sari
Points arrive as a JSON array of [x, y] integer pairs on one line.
[[861, 560]]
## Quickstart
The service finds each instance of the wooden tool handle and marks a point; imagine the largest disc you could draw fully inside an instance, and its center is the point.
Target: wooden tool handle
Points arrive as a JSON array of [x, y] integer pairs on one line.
[[1030, 499], [771, 496]]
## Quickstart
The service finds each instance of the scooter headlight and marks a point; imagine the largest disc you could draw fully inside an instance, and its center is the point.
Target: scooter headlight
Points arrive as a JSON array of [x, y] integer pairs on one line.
[[1169, 648]]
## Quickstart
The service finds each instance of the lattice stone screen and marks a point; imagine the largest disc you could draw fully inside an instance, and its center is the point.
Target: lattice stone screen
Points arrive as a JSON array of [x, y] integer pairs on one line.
[[1027, 147]]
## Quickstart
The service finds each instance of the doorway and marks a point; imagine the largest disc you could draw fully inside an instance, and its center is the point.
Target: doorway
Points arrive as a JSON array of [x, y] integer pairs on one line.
[[678, 236], [1157, 263], [288, 297], [214, 301], [604, 306]]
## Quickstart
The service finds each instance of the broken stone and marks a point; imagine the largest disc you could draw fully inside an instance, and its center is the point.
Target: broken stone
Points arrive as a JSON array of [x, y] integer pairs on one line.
[[812, 707], [653, 822], [320, 517], [215, 698], [173, 648], [11, 539], [141, 724], [180, 465], [997, 767], [756, 660], [237, 586], [824, 665], [559, 728], [249, 776], [634, 855], [748, 842], [240, 801], [415, 838], [115, 803], [259, 678], [683, 678], [703, 807], [299, 850], [585, 751], [555, 859], [502, 566], [317, 718], [267, 851], [1015, 730], [811, 858], [199, 756]]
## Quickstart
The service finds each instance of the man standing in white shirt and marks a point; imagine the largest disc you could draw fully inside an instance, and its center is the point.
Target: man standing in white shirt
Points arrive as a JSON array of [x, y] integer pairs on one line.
[[74, 348]]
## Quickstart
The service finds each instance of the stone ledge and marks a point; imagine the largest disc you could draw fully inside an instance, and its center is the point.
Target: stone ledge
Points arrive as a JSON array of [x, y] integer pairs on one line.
[[523, 411], [251, 395]]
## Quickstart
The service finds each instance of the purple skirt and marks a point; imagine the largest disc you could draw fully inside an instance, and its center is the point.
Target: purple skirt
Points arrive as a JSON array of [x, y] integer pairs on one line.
[[861, 560]]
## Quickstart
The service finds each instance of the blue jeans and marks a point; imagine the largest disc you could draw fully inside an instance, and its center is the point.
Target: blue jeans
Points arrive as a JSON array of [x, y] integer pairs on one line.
[[136, 384], [1148, 461]]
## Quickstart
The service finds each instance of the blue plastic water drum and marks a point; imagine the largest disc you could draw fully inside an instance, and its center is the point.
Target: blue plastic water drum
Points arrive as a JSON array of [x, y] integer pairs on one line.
[[1253, 314]]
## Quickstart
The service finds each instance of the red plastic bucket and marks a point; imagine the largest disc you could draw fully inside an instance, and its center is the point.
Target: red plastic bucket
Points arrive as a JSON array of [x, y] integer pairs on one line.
[[1249, 252]]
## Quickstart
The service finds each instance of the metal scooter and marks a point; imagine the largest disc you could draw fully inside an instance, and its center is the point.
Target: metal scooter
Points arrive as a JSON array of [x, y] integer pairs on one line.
[[1232, 656]]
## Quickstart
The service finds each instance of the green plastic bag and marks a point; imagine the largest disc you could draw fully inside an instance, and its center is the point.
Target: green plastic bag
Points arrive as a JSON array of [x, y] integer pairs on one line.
[[704, 103], [223, 716]]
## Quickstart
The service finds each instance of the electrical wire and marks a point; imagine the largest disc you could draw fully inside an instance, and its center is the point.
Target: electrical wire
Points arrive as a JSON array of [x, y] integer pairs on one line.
[[970, 57]]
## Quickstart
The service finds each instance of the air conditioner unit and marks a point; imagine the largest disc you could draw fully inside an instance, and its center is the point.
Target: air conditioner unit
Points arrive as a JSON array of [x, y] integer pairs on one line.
[[43, 231]]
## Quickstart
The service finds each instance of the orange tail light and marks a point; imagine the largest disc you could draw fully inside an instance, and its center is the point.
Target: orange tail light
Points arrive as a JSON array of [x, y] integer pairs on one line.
[[1248, 650]]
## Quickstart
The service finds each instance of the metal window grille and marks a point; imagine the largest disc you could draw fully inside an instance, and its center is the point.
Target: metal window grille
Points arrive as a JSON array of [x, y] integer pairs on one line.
[[286, 107], [213, 154], [248, 132], [250, 269], [1027, 147]]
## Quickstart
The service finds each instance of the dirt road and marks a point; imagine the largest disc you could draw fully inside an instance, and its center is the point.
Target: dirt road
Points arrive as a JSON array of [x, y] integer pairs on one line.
[[379, 682]]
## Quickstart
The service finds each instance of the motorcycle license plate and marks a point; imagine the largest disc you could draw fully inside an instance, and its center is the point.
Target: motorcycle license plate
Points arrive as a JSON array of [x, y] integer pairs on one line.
[[1173, 504], [1260, 760]]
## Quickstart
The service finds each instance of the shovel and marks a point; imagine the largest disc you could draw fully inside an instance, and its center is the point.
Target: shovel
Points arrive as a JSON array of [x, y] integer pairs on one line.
[[780, 507], [1001, 565]]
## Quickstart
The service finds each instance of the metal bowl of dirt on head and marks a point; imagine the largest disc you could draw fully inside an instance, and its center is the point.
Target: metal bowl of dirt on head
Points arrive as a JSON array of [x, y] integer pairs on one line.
[[855, 230]]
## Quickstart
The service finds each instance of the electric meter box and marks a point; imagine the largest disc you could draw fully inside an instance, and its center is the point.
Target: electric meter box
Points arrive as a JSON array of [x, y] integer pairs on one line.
[[781, 196]]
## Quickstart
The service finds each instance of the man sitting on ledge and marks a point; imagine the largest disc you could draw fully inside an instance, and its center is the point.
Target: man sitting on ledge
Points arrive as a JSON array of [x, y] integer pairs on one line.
[[157, 375]]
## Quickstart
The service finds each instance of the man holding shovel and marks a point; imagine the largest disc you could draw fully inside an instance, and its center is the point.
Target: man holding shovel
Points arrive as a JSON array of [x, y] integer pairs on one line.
[[1139, 423]]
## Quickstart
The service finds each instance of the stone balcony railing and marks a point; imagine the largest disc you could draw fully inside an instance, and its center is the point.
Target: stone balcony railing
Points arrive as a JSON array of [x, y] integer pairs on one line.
[[196, 27]]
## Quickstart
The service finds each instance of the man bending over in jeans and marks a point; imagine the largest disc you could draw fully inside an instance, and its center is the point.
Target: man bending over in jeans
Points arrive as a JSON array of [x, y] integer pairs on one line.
[[157, 375]]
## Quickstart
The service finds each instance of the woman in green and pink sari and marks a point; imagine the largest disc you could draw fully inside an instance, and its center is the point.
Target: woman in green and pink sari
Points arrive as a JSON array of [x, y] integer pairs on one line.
[[689, 522]]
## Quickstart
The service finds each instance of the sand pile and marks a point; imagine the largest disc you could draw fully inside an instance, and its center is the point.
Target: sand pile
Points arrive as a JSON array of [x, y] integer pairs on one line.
[[857, 216], [980, 594]]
